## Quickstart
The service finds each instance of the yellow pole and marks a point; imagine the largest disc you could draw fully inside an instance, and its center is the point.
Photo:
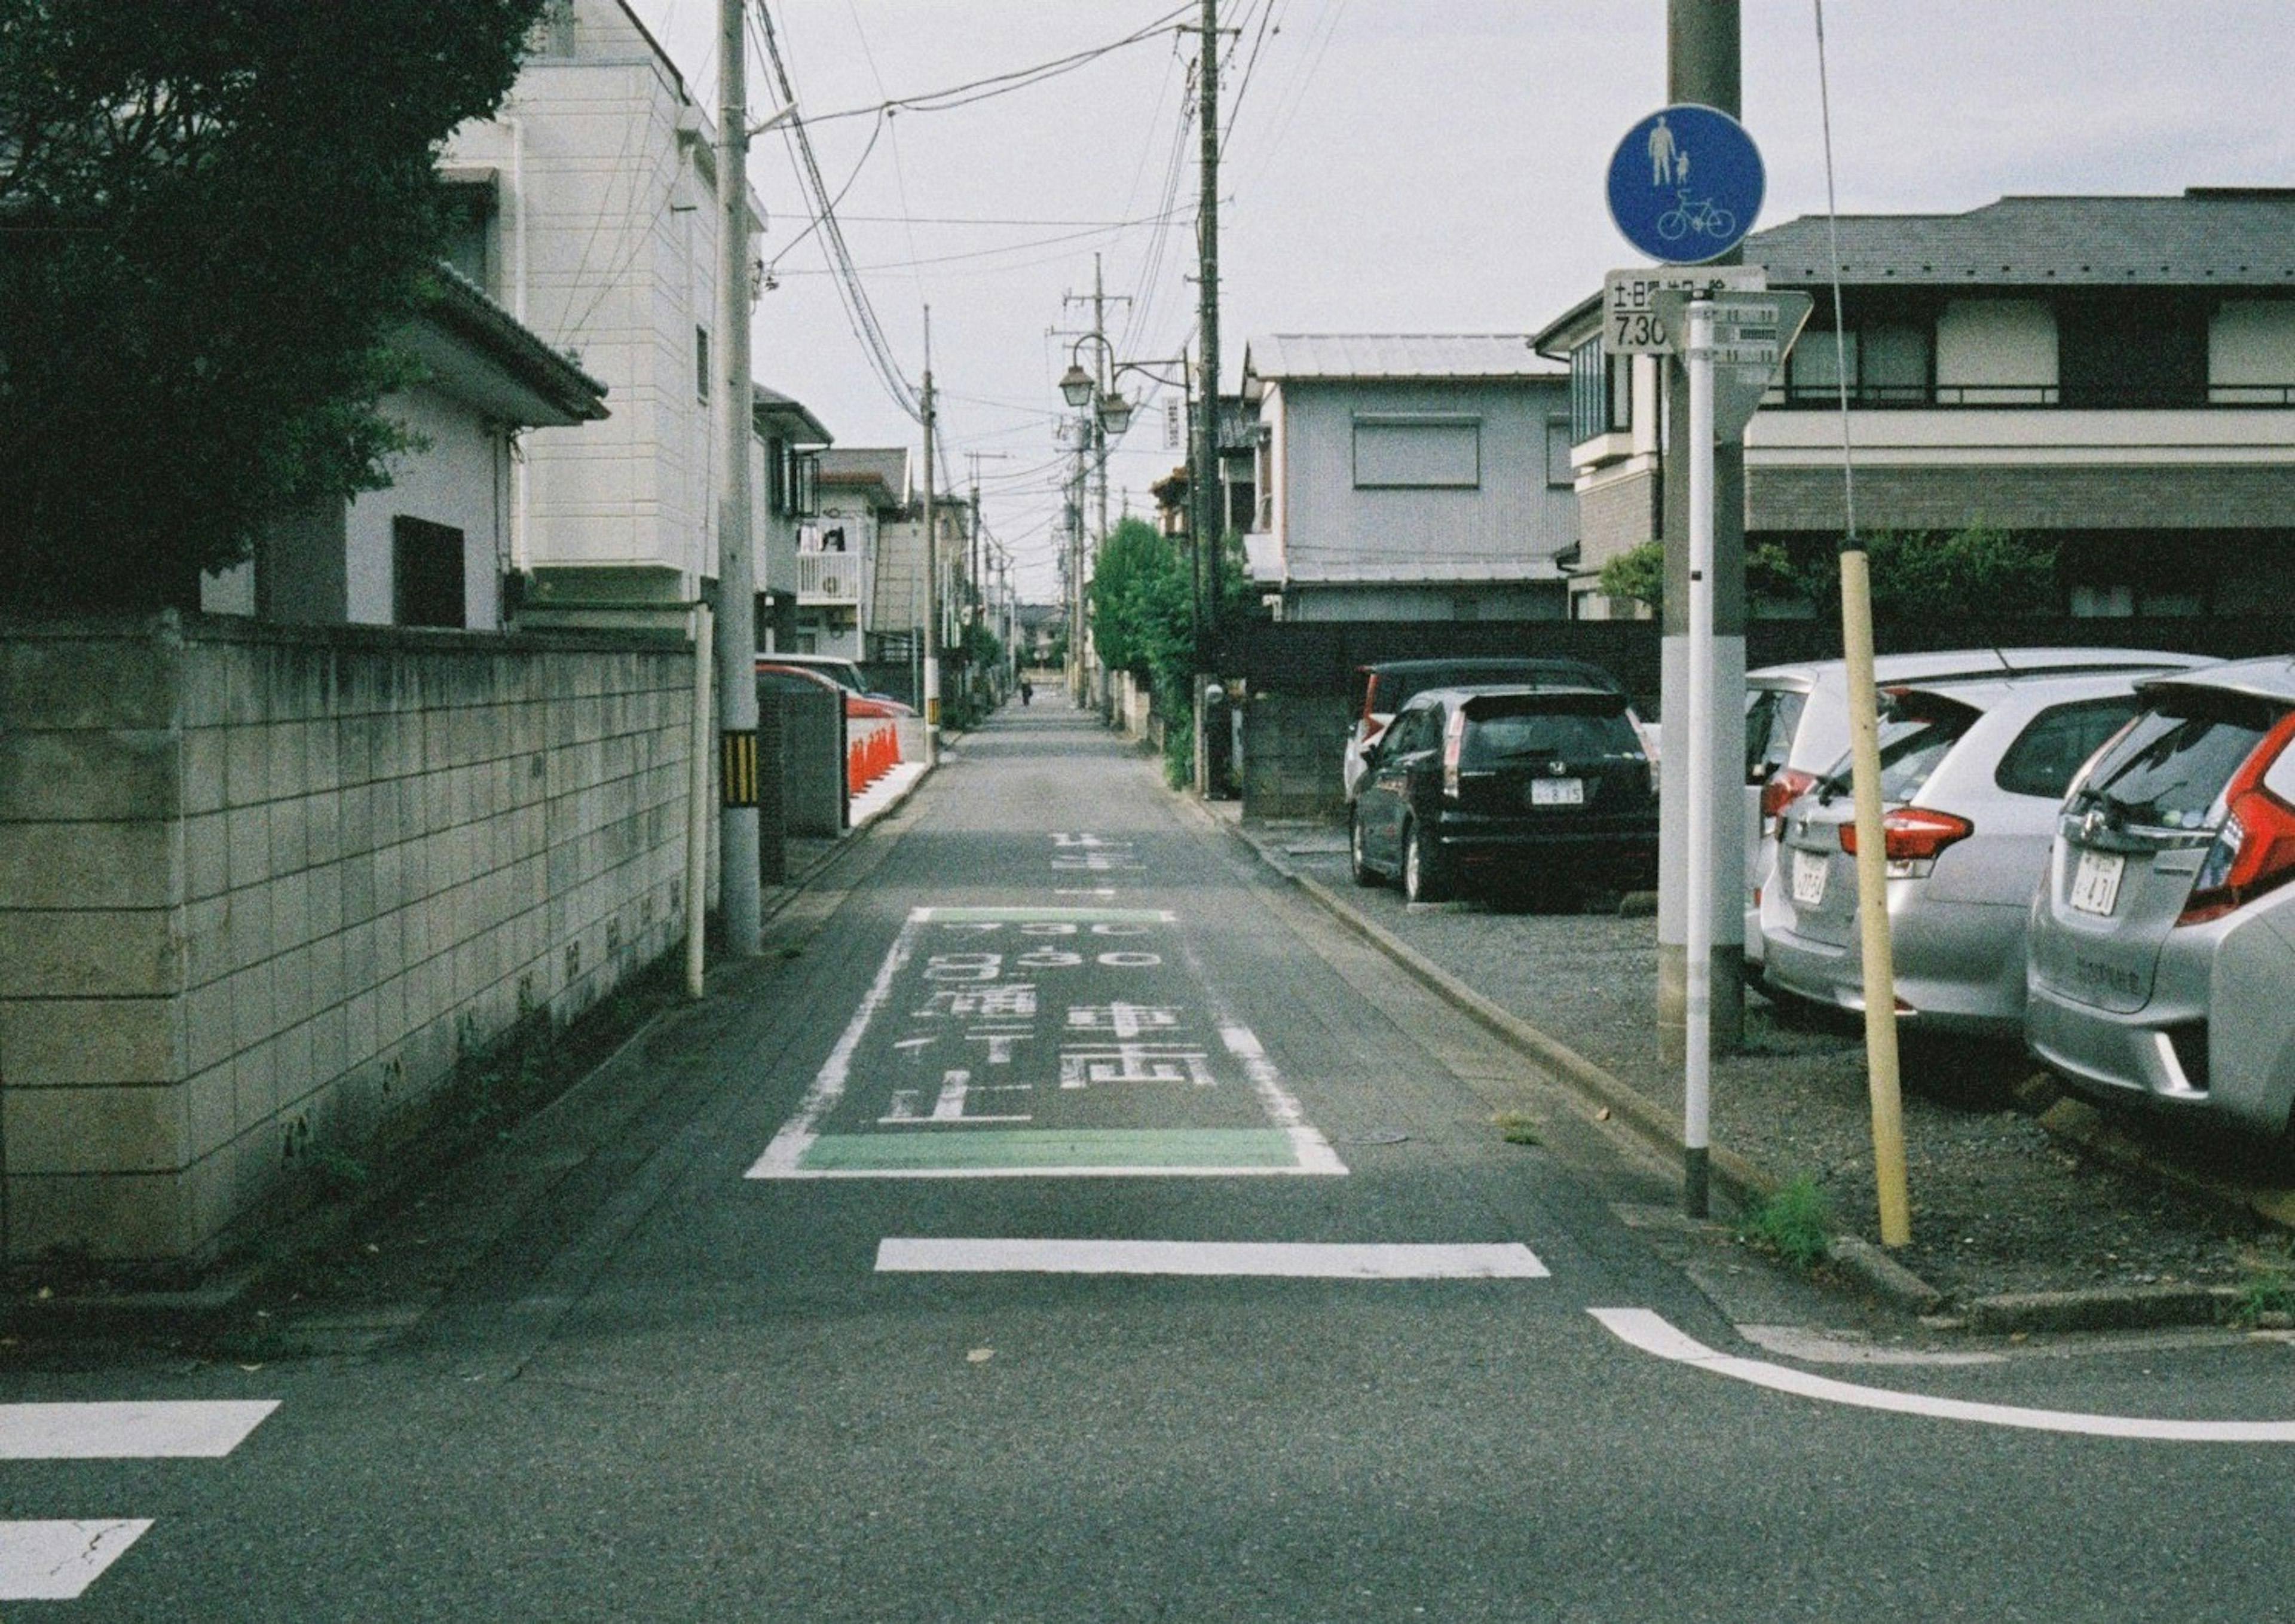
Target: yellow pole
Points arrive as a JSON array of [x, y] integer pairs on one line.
[[1872, 902]]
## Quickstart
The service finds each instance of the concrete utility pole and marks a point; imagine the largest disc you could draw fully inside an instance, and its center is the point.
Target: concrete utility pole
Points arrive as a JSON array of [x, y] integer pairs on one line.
[[741, 906], [1703, 62], [1098, 428], [1211, 528], [932, 570]]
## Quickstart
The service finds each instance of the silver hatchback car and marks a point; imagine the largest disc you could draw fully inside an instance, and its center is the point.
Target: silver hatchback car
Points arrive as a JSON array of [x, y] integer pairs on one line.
[[1972, 776], [2162, 945]]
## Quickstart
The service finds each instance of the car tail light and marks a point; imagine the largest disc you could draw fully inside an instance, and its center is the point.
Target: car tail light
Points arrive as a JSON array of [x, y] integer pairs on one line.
[[1913, 834], [1786, 785], [2254, 851], [1454, 740]]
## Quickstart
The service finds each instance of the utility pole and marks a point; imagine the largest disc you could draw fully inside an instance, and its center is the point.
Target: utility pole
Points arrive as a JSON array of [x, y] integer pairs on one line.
[[1098, 428], [932, 571], [741, 905], [1703, 65], [1210, 529]]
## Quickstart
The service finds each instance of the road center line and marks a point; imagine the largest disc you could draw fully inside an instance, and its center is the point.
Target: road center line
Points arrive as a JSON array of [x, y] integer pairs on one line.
[[128, 1431], [55, 1562], [1297, 1260], [1653, 1333]]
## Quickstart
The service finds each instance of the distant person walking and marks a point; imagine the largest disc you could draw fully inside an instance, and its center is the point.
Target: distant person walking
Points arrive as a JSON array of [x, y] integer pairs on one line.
[[1027, 692]]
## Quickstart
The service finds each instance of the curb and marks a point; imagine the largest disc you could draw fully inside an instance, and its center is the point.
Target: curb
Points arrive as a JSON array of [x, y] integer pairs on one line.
[[1853, 1257]]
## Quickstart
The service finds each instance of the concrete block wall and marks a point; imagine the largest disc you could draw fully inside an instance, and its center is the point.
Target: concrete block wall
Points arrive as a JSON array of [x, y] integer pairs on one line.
[[261, 887], [1291, 755]]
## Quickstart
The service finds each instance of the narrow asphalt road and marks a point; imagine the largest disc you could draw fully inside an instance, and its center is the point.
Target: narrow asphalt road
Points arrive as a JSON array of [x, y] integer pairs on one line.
[[1082, 1229]]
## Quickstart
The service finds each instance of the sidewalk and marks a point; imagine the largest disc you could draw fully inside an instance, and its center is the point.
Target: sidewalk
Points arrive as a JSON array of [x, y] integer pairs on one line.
[[2021, 1220]]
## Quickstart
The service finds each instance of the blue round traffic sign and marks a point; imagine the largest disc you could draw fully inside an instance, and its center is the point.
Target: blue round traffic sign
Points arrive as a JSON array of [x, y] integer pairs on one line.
[[1685, 184]]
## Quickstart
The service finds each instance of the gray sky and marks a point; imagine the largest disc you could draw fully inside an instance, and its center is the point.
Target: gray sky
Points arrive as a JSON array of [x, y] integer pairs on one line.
[[1394, 165]]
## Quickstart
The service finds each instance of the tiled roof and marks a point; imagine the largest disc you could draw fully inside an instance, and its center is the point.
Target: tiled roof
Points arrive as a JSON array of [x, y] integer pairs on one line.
[[772, 406], [2225, 236], [1300, 355], [861, 465]]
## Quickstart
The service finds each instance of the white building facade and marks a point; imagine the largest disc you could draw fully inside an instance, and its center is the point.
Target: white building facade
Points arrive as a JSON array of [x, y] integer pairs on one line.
[[1409, 477]]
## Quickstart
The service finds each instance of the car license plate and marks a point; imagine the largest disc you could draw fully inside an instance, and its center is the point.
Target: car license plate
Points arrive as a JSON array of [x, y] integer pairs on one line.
[[1809, 871], [1558, 792], [2095, 883]]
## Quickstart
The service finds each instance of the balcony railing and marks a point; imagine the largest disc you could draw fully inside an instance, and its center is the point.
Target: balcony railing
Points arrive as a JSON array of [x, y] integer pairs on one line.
[[1920, 397], [829, 577]]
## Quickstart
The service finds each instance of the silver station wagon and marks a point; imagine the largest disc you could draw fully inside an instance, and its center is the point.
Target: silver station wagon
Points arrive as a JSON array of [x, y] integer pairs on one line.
[[1972, 776], [2162, 945]]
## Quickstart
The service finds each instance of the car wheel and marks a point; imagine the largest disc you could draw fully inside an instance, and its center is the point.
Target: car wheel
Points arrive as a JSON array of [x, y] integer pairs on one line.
[[1422, 876], [1364, 875]]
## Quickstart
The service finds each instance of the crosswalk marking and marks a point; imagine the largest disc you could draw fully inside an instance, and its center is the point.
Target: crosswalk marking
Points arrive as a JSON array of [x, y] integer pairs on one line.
[[1299, 1260], [128, 1431], [55, 1562]]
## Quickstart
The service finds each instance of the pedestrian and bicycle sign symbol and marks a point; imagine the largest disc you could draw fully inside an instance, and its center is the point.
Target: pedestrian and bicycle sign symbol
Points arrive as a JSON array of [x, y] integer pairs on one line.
[[1685, 184]]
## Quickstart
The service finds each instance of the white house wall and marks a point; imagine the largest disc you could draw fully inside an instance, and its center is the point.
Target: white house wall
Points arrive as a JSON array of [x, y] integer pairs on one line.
[[2251, 342], [1507, 528], [1995, 343], [458, 481], [615, 225]]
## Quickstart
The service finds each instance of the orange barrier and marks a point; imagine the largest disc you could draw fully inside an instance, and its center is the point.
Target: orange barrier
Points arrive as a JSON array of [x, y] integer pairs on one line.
[[872, 749]]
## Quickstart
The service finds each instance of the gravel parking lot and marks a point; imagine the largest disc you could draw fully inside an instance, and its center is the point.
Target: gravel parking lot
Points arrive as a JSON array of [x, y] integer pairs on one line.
[[2000, 1204]]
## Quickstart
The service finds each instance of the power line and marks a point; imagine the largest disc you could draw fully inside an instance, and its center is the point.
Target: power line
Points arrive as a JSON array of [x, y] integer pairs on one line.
[[859, 312], [1001, 84]]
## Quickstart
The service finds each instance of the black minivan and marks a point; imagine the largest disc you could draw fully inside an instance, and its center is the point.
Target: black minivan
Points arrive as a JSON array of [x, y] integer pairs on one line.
[[1533, 787]]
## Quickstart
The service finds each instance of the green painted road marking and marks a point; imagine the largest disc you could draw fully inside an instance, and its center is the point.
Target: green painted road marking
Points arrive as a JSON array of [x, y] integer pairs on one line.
[[1036, 1149], [1042, 916]]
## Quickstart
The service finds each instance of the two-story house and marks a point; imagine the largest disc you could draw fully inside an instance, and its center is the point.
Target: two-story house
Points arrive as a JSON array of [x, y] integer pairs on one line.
[[1409, 477], [786, 488], [838, 556], [2115, 374], [589, 210]]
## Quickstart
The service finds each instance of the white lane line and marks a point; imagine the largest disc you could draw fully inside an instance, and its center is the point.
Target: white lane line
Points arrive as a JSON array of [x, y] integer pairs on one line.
[[780, 1158], [1269, 1259], [55, 1562], [1314, 1151], [128, 1431], [1652, 1334]]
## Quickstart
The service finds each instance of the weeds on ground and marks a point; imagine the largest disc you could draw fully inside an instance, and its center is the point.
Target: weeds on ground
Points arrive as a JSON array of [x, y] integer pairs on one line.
[[2265, 1297], [1515, 1129], [337, 1171], [1795, 1223]]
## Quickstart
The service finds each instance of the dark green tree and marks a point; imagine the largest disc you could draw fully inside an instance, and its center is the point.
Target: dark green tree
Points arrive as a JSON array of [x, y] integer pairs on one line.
[[213, 214], [1981, 573]]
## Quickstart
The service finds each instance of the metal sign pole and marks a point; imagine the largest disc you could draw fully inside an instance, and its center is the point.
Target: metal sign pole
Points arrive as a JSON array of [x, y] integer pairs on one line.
[[1698, 939]]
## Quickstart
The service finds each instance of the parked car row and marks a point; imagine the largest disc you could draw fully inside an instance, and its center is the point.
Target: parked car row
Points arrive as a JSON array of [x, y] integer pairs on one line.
[[2087, 849]]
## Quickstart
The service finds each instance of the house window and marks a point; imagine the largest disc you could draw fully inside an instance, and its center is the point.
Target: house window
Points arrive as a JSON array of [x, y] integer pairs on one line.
[[1419, 453], [796, 482], [2122, 353], [1600, 391], [470, 208], [1561, 472], [1890, 363], [553, 30], [425, 573], [701, 364]]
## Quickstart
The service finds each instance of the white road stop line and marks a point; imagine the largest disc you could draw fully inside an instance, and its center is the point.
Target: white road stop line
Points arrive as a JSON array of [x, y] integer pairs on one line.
[[131, 1431], [55, 1562], [1295, 1260], [1653, 1333]]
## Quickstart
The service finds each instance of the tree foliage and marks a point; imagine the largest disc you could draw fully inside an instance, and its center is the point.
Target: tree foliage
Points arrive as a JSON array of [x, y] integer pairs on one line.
[[212, 217], [1982, 573], [1138, 603]]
